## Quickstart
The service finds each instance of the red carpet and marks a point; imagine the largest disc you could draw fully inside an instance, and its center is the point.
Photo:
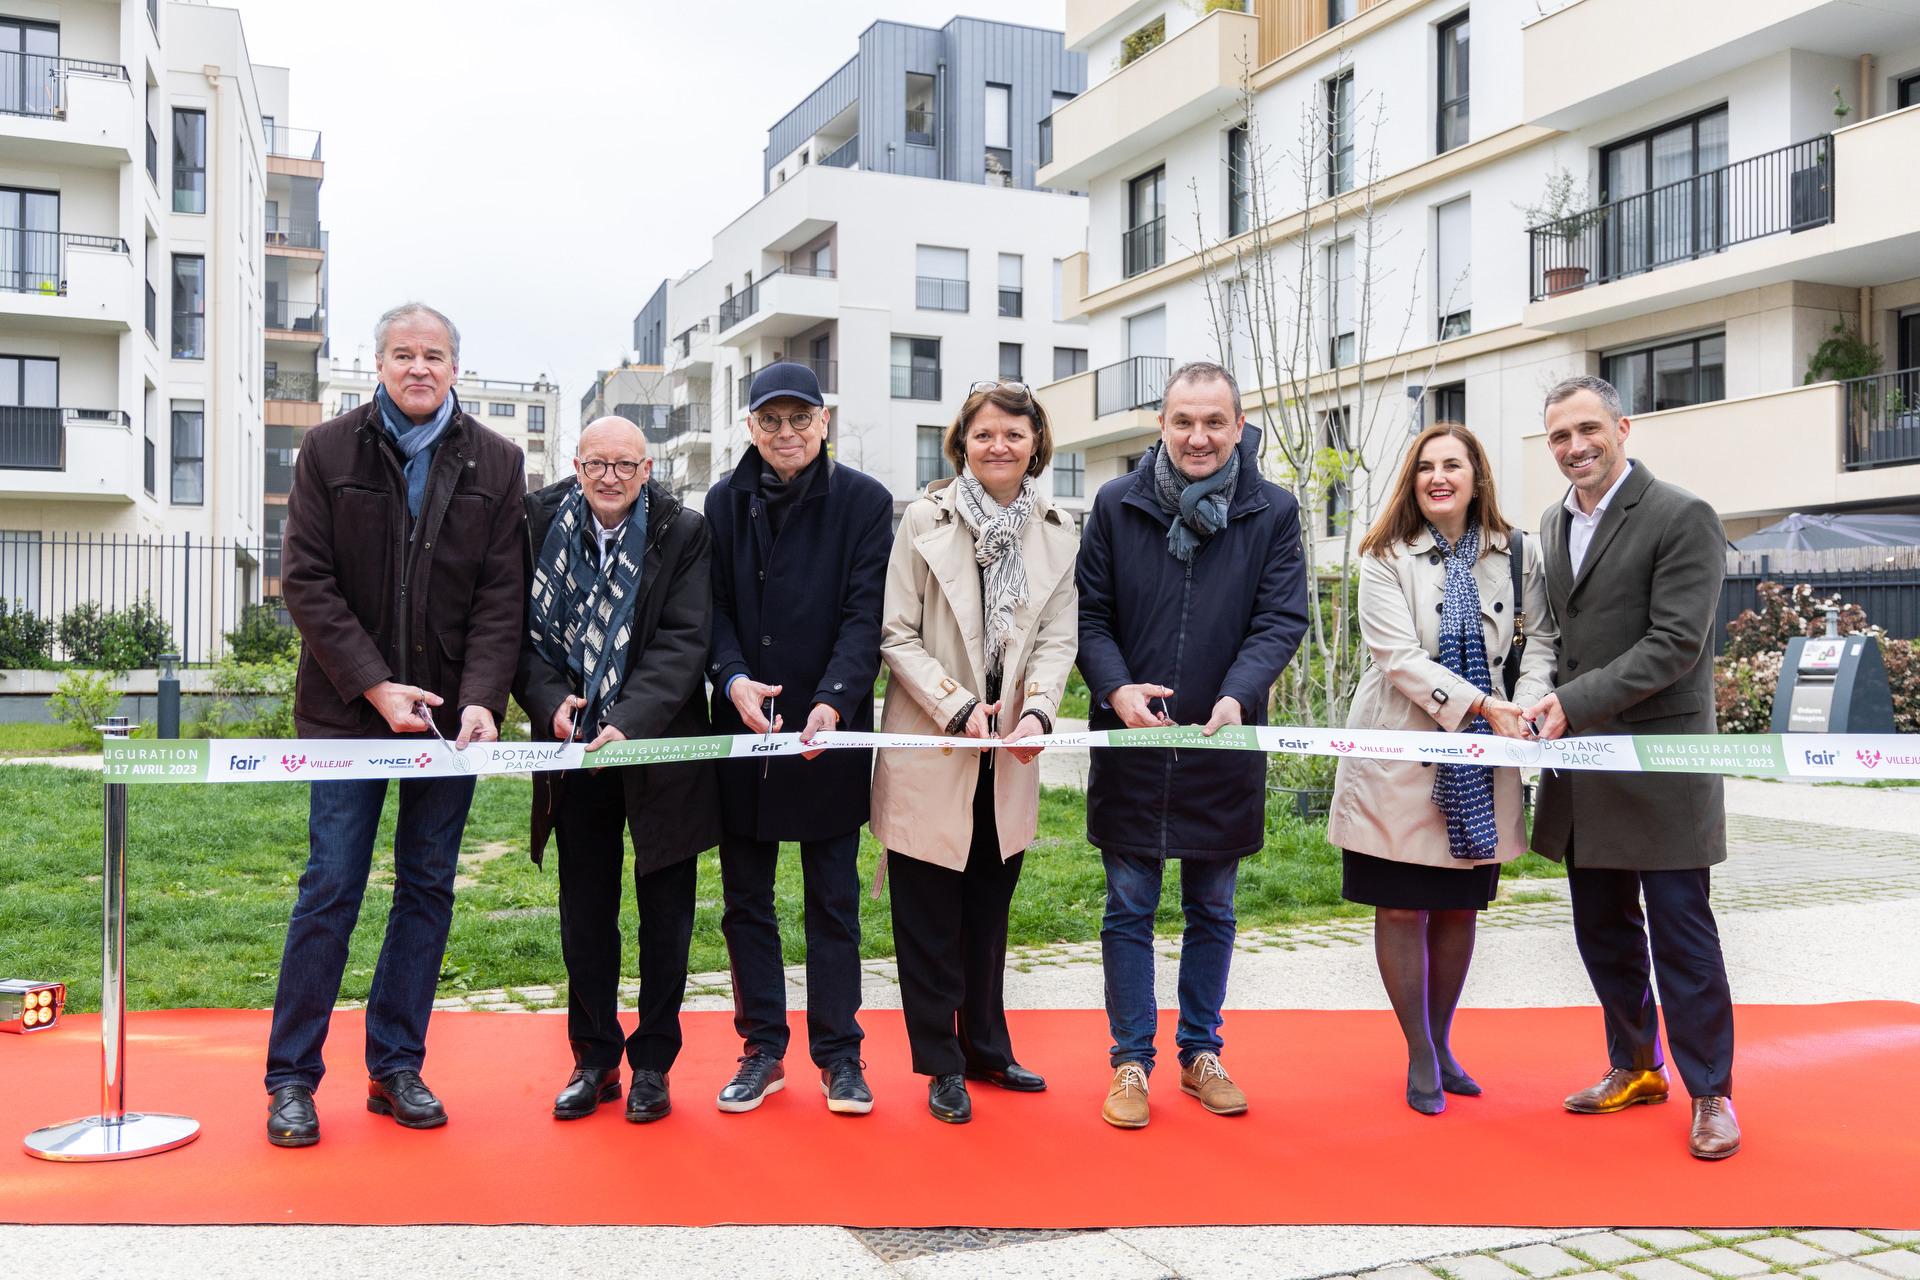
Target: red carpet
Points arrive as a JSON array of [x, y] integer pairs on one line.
[[1825, 1093]]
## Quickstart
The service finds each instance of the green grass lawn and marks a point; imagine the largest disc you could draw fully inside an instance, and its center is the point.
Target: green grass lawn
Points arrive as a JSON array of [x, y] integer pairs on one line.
[[32, 738], [212, 873]]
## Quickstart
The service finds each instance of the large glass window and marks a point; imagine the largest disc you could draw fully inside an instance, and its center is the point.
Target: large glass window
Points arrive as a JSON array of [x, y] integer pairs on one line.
[[1449, 403], [1239, 181], [999, 134], [929, 463], [1069, 475], [188, 452], [500, 409], [1453, 258], [1068, 361], [1909, 91], [1670, 375], [29, 67], [29, 241], [1340, 133], [940, 282], [1452, 121], [919, 122], [1339, 11], [283, 446], [1144, 245], [1343, 311], [189, 161], [1666, 209], [1011, 361], [189, 307], [916, 368], [536, 419]]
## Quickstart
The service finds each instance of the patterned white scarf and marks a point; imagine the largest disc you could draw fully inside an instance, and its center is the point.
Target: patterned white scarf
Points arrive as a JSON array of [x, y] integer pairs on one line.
[[996, 549]]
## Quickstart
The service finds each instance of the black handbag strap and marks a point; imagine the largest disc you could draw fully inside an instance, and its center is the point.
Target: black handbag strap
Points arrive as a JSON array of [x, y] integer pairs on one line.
[[1517, 563]]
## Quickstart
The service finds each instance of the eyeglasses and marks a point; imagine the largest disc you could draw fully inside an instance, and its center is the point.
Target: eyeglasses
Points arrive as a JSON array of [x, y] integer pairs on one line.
[[1000, 384], [770, 423], [594, 469]]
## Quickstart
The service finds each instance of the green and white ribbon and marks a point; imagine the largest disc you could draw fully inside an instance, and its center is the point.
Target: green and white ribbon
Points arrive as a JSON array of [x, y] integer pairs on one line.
[[1799, 755]]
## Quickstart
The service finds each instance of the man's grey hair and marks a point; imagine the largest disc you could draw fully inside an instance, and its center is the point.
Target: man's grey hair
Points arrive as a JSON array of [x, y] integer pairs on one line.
[[1203, 371], [1569, 387], [406, 311]]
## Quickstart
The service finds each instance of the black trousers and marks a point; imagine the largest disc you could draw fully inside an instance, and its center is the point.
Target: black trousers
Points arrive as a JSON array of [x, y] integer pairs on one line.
[[831, 872], [1612, 932], [950, 943], [591, 829]]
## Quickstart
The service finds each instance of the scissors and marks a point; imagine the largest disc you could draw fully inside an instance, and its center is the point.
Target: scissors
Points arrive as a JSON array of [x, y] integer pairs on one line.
[[1169, 720], [460, 760], [766, 711]]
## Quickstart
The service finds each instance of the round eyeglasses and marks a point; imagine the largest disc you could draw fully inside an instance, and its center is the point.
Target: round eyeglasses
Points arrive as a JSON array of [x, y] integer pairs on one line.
[[597, 467]]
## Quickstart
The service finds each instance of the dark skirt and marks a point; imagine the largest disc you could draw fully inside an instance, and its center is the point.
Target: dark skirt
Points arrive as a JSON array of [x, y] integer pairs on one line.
[[1413, 886]]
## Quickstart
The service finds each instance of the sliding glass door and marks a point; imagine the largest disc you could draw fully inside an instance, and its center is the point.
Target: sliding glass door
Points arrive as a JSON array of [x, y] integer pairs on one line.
[[1667, 195], [29, 241]]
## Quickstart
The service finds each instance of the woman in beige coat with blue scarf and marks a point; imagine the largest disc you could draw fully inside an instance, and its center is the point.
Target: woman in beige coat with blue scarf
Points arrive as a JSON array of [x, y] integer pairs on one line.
[[978, 633]]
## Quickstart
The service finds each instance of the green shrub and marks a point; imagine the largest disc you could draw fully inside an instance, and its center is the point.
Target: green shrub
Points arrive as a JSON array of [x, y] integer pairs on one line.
[[84, 699], [261, 636], [1747, 675], [120, 640], [26, 639], [266, 687]]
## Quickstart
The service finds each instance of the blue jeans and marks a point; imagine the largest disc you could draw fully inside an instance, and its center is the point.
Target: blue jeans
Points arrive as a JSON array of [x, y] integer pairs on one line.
[[1126, 953], [342, 820]]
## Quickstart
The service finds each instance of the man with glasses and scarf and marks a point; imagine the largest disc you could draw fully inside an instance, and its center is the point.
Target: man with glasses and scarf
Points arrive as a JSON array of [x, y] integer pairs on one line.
[[618, 627], [799, 572]]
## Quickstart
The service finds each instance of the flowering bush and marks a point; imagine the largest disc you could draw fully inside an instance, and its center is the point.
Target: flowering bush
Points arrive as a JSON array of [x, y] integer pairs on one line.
[[1747, 674]]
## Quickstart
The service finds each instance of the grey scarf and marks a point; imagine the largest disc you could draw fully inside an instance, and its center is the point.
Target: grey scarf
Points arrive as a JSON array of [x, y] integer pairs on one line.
[[996, 549], [416, 442], [1198, 507]]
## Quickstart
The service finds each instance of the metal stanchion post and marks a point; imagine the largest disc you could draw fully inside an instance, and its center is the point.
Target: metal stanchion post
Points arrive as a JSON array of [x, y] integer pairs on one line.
[[116, 1133]]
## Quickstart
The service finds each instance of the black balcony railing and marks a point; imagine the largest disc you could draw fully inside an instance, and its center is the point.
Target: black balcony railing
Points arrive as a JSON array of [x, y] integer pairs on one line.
[[931, 293], [683, 344], [1012, 302], [35, 84], [290, 384], [1787, 189], [292, 233], [682, 418], [920, 123], [913, 382], [1882, 422], [1144, 247], [844, 156], [1138, 382], [736, 309], [295, 317], [35, 439], [295, 144], [828, 373], [36, 261]]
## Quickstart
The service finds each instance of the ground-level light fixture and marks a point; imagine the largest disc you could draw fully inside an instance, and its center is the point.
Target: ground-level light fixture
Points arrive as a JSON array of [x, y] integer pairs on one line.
[[27, 1006]]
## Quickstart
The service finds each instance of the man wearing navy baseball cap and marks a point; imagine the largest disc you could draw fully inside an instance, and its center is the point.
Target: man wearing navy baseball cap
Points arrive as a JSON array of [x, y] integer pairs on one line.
[[800, 545]]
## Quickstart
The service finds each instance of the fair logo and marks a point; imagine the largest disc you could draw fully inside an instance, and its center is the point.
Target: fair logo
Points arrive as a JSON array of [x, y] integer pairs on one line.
[[1341, 747], [1871, 759], [244, 764], [1820, 757], [292, 763]]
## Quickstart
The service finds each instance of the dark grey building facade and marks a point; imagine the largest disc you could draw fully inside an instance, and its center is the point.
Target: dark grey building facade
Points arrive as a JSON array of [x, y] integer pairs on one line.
[[650, 328], [961, 102]]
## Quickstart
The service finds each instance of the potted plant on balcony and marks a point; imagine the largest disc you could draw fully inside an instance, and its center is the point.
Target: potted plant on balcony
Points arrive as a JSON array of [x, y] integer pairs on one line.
[[1562, 217]]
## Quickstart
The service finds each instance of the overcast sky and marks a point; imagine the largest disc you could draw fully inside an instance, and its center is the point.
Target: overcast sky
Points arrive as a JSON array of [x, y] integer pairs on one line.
[[535, 170]]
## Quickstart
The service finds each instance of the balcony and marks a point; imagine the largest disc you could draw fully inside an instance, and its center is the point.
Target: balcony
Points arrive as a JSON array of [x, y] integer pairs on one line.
[[1806, 448], [690, 355], [1833, 210], [299, 322], [1628, 52], [1186, 81], [931, 293], [288, 384], [75, 453], [912, 382], [784, 302], [60, 280], [294, 152], [1143, 248], [61, 111], [302, 236], [1091, 20], [1107, 405], [683, 420], [844, 156]]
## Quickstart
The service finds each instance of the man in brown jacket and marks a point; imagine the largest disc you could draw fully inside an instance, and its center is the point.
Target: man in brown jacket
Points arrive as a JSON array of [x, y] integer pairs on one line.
[[404, 569]]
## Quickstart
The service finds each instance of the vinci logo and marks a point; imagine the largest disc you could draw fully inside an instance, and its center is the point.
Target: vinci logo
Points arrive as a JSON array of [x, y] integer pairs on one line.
[[1475, 750], [292, 764], [1341, 747], [422, 760], [1871, 759]]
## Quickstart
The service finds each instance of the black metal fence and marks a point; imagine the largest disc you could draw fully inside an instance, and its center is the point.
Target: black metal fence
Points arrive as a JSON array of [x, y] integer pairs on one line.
[[1144, 247], [35, 84], [197, 585], [1883, 581], [934, 293], [1883, 420], [36, 261], [1787, 189]]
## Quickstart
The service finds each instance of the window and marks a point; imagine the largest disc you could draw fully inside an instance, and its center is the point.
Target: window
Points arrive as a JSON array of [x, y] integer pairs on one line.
[[919, 122], [999, 135], [1453, 257], [189, 452], [1449, 403], [1686, 218], [536, 446], [282, 449], [1011, 301], [1147, 334], [29, 240], [916, 368], [1336, 429], [475, 408], [1010, 360], [1340, 133], [1144, 41], [30, 84], [1339, 11], [929, 463], [536, 419], [189, 161], [1671, 375], [189, 307], [499, 410], [1069, 475], [1239, 181], [20, 564], [1908, 92], [1342, 309], [1068, 361], [349, 400], [1453, 78], [1144, 245], [941, 278], [150, 446]]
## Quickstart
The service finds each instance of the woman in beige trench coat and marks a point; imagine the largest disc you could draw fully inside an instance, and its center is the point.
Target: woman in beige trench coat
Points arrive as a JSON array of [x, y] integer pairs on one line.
[[978, 633], [1423, 844]]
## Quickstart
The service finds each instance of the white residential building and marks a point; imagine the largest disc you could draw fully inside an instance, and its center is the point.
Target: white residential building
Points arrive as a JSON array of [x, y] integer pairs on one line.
[[1718, 218], [901, 250], [636, 391], [527, 413]]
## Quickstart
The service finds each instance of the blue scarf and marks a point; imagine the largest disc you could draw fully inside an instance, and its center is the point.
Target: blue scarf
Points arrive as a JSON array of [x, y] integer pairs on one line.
[[416, 441], [583, 611], [1464, 792], [1198, 507]]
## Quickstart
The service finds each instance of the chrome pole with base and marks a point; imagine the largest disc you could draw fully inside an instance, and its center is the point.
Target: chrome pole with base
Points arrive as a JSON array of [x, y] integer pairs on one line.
[[116, 1133]]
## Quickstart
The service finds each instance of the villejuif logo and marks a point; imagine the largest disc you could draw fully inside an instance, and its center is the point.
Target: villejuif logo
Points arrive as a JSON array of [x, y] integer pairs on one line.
[[1871, 759], [1341, 747], [292, 763]]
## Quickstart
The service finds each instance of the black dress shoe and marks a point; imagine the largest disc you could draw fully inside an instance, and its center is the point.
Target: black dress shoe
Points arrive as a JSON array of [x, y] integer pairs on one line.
[[405, 1096], [1428, 1102], [292, 1120], [947, 1099], [1459, 1082], [586, 1089], [647, 1098], [1014, 1077]]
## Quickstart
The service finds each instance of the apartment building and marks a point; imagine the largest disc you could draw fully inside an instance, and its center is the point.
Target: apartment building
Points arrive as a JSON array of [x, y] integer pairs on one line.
[[636, 391], [1484, 196], [527, 413], [903, 249]]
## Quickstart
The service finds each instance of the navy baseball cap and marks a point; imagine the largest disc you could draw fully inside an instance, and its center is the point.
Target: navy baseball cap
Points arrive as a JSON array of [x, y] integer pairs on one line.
[[784, 378]]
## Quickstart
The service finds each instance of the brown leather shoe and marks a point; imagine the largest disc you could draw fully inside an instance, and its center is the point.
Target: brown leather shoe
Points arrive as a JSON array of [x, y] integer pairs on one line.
[[1126, 1106], [1716, 1130], [1208, 1081], [1619, 1089]]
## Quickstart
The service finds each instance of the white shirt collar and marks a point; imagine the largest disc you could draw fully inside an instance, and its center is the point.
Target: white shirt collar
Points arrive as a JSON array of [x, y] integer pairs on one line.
[[1572, 503]]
